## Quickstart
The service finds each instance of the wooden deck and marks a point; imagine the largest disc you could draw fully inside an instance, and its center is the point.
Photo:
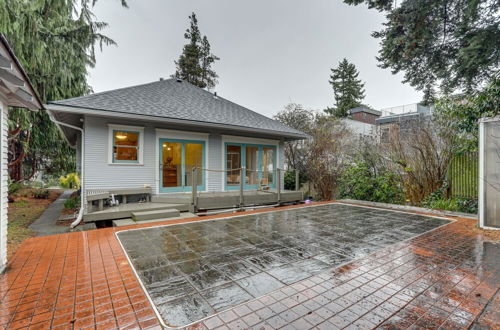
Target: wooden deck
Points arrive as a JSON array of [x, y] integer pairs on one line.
[[183, 202]]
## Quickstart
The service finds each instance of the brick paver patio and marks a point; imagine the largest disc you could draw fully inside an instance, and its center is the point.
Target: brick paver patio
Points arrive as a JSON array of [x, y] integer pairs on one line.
[[446, 278]]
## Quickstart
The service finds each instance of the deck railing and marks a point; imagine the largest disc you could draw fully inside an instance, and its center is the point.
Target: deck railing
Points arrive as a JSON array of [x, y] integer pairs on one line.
[[242, 172]]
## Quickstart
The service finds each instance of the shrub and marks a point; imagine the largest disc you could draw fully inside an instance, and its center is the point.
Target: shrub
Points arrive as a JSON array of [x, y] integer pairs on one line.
[[14, 187], [437, 200], [71, 181], [72, 203], [359, 182], [290, 180], [328, 152], [40, 193]]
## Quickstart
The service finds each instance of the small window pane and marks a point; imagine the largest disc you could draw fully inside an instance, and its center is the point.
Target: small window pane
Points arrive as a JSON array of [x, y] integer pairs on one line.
[[268, 165], [233, 164], [252, 161], [172, 164], [193, 158], [126, 153], [122, 138]]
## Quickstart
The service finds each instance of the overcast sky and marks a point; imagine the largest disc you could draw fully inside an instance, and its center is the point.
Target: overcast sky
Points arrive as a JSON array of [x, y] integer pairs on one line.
[[272, 52]]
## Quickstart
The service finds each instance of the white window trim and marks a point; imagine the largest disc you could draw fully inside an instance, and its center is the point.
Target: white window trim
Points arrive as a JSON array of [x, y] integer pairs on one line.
[[113, 127], [162, 133]]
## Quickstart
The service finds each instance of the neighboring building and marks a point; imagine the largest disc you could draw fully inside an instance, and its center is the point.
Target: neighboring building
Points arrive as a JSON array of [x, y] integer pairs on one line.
[[364, 115], [360, 128], [398, 119], [153, 135], [15, 91]]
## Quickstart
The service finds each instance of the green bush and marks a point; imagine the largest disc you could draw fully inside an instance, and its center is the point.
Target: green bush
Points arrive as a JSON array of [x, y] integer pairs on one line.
[[71, 181], [41, 193], [72, 203], [358, 182], [14, 187], [437, 200], [290, 180]]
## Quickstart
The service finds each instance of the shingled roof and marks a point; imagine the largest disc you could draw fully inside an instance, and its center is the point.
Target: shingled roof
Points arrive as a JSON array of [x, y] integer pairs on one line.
[[177, 99]]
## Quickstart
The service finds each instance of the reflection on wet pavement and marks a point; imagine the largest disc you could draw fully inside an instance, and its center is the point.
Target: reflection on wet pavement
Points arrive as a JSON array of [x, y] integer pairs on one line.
[[197, 269]]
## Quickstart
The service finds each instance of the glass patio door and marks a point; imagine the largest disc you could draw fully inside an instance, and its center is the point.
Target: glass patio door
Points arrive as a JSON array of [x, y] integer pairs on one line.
[[259, 162], [177, 160]]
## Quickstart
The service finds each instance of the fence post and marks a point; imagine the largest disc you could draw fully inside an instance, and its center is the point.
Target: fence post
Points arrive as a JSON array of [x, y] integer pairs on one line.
[[242, 182], [194, 190], [297, 183], [278, 184]]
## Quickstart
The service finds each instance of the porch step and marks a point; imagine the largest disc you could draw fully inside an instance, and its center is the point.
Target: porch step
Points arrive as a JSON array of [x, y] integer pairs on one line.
[[123, 222], [155, 214], [129, 221]]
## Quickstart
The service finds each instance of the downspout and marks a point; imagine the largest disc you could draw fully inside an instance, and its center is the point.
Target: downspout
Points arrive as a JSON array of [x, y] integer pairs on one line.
[[82, 168]]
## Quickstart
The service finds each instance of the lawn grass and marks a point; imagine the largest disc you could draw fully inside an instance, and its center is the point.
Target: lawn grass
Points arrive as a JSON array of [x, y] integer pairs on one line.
[[23, 212]]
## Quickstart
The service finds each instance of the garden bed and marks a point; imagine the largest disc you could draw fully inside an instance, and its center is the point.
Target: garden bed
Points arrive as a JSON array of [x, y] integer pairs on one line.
[[22, 212]]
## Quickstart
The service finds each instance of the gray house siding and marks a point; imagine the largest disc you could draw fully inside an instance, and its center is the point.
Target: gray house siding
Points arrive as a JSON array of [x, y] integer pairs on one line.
[[215, 179], [99, 174]]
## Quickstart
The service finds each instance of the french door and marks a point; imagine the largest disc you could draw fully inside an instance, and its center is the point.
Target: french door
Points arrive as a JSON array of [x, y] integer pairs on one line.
[[177, 160], [259, 162]]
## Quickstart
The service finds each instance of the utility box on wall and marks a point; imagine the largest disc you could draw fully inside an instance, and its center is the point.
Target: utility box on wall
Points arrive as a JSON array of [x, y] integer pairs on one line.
[[489, 173]]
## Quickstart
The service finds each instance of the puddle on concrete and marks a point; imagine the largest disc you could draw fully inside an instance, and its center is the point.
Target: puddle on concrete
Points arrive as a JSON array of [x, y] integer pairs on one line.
[[195, 270]]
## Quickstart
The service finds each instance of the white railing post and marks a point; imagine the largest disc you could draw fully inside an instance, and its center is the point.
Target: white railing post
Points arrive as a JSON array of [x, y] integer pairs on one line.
[[278, 184], [242, 182], [194, 189]]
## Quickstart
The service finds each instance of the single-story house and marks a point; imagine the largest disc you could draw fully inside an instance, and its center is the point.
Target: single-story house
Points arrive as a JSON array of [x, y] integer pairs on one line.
[[153, 135], [15, 91]]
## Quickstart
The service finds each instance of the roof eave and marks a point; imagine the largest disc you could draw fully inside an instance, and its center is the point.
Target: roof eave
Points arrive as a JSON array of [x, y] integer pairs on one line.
[[36, 103], [53, 106]]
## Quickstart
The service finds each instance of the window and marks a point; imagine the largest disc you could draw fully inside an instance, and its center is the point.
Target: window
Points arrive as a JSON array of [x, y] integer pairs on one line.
[[384, 136], [126, 144]]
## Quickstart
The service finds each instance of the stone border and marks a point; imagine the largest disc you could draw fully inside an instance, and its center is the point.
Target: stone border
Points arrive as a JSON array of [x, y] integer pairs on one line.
[[411, 208]]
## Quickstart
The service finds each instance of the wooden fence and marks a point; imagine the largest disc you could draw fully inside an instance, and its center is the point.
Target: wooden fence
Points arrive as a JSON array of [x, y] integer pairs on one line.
[[463, 175]]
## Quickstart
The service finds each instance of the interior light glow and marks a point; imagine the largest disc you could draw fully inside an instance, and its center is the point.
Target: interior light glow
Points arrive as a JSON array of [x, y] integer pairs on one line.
[[121, 137]]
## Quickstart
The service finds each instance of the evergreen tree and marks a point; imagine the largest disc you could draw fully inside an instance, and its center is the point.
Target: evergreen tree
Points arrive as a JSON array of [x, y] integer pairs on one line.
[[450, 44], [347, 88], [54, 40], [195, 63]]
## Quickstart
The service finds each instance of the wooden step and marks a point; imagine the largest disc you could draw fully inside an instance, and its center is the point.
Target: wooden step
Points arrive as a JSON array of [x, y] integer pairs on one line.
[[155, 214]]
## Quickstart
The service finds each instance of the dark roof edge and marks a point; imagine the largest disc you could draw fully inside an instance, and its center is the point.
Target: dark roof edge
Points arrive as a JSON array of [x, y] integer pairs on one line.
[[54, 106], [367, 110], [4, 41]]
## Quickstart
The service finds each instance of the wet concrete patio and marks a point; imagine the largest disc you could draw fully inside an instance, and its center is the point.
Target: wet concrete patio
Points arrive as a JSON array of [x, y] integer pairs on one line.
[[195, 270], [444, 278]]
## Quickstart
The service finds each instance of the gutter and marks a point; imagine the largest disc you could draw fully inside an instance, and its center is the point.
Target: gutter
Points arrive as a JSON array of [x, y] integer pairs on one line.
[[79, 218]]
